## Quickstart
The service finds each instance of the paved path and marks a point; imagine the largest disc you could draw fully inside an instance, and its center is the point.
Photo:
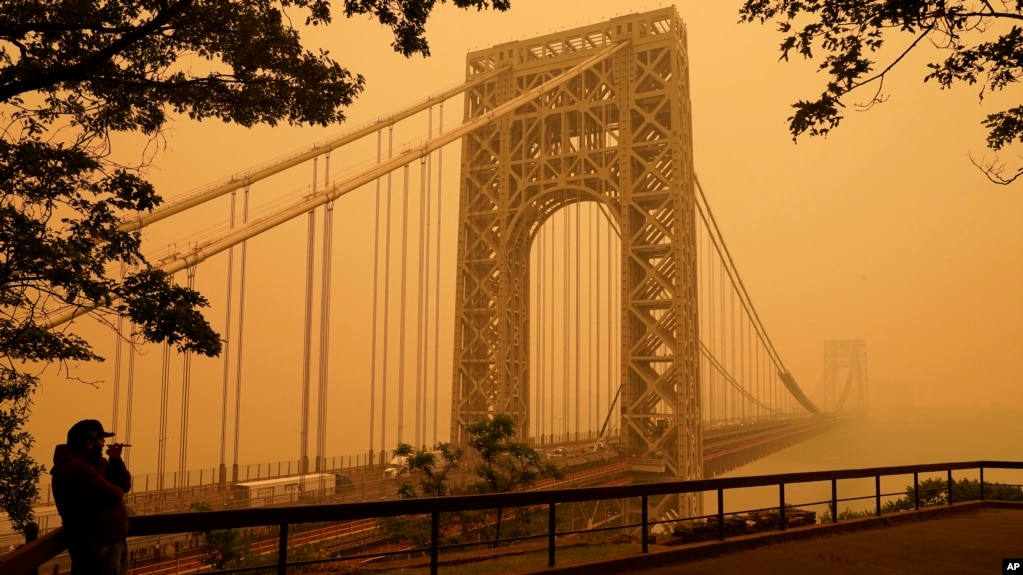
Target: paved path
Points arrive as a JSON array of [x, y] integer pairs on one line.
[[971, 540]]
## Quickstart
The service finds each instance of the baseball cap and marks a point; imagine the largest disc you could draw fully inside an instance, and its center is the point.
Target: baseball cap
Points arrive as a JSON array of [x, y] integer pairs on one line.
[[86, 429]]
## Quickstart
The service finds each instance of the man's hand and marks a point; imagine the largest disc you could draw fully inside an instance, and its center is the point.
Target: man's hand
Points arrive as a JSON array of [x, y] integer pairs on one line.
[[114, 450]]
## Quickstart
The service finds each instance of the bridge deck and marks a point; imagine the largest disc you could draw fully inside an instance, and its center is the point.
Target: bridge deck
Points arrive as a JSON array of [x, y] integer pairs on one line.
[[971, 538]]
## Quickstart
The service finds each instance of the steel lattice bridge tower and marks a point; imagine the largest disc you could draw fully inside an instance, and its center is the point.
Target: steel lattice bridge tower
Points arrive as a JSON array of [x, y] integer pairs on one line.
[[845, 360], [619, 133]]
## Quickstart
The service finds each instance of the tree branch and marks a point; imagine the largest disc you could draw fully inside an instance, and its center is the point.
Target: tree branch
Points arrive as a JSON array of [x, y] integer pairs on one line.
[[993, 171], [20, 30], [991, 14], [213, 79], [77, 71], [894, 62]]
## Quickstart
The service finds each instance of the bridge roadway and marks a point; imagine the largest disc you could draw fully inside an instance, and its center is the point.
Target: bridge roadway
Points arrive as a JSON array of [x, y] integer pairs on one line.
[[725, 448], [967, 538]]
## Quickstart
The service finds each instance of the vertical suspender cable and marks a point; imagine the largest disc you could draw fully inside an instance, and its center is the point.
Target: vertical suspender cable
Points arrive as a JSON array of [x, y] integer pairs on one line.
[[597, 307], [596, 314], [130, 400], [715, 319], [118, 345], [711, 376], [766, 379], [710, 335], [325, 289], [714, 309], [428, 284], [186, 391], [552, 281], [733, 274], [376, 304], [612, 274], [420, 309], [550, 239], [719, 314], [541, 263], [566, 330], [759, 374], [723, 330], [161, 451], [701, 317], [565, 333], [543, 358], [325, 297], [226, 340], [701, 298], [387, 302], [240, 348], [425, 237], [578, 315], [776, 393], [755, 358], [401, 313], [742, 357], [750, 368], [436, 293], [619, 258], [307, 337], [734, 407]]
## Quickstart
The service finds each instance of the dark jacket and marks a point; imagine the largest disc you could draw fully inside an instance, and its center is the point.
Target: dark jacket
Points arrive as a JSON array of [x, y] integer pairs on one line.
[[90, 497]]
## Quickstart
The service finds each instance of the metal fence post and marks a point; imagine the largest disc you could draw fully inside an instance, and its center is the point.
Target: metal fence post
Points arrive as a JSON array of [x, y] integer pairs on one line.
[[282, 550], [982, 483], [644, 514], [877, 493], [834, 501], [721, 514], [31, 534], [552, 528], [916, 490], [950, 484], [781, 505], [434, 541]]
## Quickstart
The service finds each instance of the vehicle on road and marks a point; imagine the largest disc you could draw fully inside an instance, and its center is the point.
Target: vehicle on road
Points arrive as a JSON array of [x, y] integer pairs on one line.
[[289, 490]]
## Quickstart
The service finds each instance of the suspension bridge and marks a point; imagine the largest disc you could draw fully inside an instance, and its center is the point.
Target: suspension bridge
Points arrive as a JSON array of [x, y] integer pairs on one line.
[[593, 294]]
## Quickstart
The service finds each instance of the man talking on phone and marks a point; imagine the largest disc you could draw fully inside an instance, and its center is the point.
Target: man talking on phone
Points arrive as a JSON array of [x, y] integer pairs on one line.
[[89, 492]]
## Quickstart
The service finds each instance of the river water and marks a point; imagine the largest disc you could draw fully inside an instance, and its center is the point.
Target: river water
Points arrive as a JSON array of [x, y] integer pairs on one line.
[[894, 437]]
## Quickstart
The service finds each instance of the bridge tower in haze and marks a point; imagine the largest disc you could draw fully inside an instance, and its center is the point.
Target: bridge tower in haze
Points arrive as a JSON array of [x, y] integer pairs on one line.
[[845, 376], [618, 133]]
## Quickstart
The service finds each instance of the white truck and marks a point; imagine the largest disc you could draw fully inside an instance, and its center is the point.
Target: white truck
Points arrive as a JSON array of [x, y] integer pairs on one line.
[[399, 464], [288, 490]]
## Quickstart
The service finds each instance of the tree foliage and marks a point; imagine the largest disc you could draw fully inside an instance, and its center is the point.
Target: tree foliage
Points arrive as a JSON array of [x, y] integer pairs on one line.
[[857, 43], [935, 492], [505, 464], [219, 548], [73, 74], [502, 465], [429, 468], [428, 474]]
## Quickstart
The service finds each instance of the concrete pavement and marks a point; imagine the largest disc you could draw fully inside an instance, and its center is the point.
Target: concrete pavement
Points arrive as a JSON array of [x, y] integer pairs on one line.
[[969, 538]]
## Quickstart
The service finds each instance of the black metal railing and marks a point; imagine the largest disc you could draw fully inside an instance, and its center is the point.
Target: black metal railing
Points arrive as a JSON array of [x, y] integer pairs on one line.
[[29, 557]]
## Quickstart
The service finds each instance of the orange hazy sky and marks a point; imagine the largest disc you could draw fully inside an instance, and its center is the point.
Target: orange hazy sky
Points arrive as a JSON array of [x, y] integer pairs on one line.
[[882, 231]]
